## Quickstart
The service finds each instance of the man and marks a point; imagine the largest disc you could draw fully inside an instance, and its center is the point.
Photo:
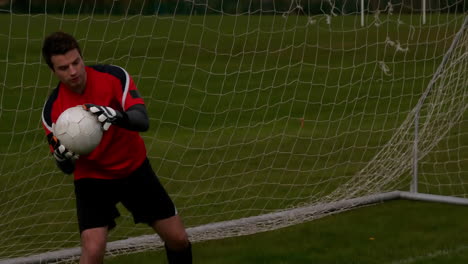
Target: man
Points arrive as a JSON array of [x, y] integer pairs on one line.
[[118, 169]]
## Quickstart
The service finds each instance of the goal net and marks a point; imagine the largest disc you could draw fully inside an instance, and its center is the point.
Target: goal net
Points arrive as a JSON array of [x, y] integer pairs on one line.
[[263, 113]]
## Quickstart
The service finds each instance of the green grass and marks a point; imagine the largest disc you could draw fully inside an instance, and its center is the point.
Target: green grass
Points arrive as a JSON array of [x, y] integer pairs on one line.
[[394, 232], [226, 96]]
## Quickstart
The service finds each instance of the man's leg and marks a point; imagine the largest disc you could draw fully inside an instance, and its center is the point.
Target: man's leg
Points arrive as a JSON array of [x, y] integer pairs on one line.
[[172, 232], [149, 202], [93, 245]]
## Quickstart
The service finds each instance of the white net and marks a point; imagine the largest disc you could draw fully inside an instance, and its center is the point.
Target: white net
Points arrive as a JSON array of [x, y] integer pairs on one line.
[[256, 106]]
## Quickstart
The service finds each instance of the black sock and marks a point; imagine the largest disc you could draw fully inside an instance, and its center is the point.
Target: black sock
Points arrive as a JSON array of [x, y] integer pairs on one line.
[[183, 256]]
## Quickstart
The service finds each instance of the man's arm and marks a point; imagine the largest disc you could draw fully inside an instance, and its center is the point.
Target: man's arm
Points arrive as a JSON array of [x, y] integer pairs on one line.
[[67, 166], [135, 118]]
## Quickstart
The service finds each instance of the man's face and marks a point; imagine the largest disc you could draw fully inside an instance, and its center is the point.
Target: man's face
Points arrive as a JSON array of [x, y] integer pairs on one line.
[[70, 70]]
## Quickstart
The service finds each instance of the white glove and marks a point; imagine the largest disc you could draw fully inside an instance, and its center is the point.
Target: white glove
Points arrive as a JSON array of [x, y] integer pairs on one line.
[[61, 153], [106, 115]]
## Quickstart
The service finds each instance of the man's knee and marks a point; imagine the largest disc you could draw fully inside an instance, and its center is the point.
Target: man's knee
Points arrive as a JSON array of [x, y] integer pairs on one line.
[[93, 244], [172, 232], [94, 249], [178, 241]]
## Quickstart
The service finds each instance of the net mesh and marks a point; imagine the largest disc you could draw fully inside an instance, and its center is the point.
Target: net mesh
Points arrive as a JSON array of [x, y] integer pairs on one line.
[[256, 107]]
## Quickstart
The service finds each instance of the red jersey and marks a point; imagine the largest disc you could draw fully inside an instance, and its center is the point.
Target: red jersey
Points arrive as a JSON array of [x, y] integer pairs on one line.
[[120, 151]]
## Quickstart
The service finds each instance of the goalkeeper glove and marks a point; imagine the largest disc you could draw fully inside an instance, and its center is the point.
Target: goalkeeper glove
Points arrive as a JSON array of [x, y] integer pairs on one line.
[[106, 115], [61, 153]]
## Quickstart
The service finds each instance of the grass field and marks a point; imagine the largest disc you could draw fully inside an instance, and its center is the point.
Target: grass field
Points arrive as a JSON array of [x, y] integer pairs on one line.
[[249, 114], [396, 232]]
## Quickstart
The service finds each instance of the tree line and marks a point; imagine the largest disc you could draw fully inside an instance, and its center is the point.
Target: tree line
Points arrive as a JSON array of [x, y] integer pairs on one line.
[[201, 7]]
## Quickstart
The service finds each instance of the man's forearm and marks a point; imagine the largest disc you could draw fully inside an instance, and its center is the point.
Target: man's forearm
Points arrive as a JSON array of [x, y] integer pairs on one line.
[[67, 166], [135, 119]]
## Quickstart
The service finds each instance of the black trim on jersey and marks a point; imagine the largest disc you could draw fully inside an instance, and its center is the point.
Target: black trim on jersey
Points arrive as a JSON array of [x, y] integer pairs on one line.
[[115, 71], [47, 111], [135, 94]]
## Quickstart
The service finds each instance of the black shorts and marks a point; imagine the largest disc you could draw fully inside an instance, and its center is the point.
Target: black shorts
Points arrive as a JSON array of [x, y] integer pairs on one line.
[[141, 193]]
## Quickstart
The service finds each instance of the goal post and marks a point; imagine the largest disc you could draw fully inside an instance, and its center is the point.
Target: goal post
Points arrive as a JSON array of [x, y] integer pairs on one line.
[[441, 81], [263, 114]]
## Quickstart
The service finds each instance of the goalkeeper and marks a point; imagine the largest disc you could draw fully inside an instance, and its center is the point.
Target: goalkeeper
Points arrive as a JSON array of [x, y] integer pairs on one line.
[[118, 170]]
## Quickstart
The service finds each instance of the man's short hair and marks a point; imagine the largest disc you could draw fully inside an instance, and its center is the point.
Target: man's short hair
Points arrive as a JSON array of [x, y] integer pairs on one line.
[[58, 43]]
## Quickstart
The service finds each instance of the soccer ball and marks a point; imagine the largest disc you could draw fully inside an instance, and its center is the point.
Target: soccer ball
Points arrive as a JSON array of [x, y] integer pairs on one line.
[[78, 130]]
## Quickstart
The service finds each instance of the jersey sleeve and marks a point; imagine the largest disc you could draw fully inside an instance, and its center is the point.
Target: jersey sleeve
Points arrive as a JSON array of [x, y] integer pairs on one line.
[[47, 111], [47, 114], [131, 96], [127, 92]]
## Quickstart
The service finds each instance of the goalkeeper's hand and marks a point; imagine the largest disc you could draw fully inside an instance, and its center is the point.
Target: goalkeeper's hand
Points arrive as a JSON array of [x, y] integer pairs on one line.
[[61, 153], [106, 115]]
